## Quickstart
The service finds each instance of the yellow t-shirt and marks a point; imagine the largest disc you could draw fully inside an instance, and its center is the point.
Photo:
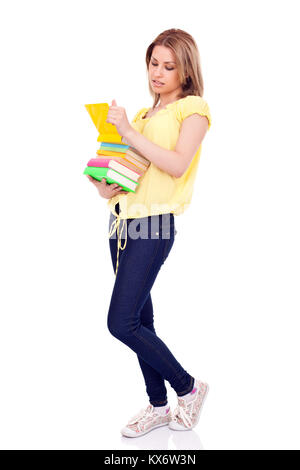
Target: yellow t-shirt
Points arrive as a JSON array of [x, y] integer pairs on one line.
[[158, 192]]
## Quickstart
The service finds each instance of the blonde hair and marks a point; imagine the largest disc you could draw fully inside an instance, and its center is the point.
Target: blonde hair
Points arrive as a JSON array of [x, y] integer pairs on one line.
[[187, 58]]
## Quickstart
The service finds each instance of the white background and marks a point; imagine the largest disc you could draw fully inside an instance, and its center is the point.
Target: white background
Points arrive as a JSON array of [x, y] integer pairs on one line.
[[227, 299]]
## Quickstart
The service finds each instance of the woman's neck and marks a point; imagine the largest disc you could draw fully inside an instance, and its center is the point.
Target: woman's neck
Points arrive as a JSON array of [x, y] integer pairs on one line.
[[169, 98]]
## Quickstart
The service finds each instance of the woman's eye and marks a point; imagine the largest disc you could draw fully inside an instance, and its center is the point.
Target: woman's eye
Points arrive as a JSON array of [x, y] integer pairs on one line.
[[156, 65]]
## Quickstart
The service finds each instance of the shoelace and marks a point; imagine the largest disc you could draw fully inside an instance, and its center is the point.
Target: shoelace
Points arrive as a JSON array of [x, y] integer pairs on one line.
[[115, 226], [182, 412], [141, 416]]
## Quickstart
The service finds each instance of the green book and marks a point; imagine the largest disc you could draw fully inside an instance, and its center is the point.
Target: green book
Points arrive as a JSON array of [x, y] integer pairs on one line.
[[111, 176]]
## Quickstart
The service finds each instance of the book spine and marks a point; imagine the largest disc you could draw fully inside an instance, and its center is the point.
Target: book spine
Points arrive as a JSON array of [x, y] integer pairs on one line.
[[108, 145]]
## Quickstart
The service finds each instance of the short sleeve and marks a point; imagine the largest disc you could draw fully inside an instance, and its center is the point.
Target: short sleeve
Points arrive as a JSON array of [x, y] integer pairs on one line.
[[139, 114], [191, 105]]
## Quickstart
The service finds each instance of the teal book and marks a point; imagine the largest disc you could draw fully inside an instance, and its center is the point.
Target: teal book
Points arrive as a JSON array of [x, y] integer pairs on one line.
[[111, 176]]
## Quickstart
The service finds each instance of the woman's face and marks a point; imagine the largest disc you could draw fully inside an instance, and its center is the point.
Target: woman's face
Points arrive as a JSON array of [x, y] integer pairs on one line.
[[163, 68]]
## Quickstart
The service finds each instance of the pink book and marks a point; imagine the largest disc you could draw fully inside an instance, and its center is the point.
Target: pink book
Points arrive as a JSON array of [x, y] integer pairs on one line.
[[116, 165]]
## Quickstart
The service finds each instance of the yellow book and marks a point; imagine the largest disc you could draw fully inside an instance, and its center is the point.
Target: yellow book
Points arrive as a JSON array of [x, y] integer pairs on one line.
[[107, 131], [110, 153]]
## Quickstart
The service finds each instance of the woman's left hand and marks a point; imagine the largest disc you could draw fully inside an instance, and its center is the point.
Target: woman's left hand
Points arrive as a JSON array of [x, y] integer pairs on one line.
[[117, 116]]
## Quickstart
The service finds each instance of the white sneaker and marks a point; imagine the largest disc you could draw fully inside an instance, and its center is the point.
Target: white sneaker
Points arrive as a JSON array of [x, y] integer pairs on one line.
[[186, 415], [146, 420]]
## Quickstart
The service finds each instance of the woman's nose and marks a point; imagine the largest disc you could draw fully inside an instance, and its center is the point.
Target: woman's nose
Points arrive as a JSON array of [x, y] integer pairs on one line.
[[158, 74], [158, 71]]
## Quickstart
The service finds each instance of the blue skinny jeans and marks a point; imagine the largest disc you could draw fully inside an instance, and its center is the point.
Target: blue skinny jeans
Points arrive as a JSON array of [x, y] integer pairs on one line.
[[130, 316]]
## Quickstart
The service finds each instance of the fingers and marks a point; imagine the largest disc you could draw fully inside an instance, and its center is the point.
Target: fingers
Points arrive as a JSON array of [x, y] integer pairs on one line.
[[95, 181], [119, 190], [114, 187]]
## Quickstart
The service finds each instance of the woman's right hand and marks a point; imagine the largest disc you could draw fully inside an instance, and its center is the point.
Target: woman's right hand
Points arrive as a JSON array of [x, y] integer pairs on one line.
[[106, 190]]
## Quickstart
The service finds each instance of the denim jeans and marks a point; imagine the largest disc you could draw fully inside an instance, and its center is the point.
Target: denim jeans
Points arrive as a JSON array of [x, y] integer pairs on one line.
[[130, 316]]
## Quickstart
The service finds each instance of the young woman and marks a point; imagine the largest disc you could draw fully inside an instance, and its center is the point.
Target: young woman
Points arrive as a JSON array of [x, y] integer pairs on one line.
[[169, 135]]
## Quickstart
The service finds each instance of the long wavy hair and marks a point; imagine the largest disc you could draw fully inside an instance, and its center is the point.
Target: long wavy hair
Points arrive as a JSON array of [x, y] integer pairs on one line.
[[187, 58]]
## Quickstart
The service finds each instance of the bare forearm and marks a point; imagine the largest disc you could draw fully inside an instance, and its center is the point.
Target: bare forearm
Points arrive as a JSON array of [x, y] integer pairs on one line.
[[166, 160]]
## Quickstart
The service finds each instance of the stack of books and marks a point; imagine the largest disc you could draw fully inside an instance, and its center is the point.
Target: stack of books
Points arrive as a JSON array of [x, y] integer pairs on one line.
[[115, 161]]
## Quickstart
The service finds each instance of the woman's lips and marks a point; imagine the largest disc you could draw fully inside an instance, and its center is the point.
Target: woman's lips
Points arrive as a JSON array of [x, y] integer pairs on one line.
[[156, 83]]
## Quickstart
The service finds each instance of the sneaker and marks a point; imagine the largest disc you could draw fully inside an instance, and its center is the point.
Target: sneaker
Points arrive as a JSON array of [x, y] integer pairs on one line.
[[146, 420], [186, 415]]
